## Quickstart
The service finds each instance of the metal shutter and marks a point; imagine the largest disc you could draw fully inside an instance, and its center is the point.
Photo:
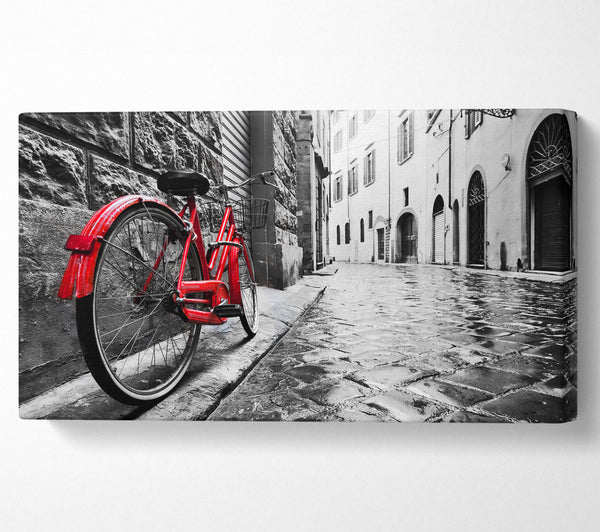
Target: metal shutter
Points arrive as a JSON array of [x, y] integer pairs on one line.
[[236, 151], [553, 225], [438, 237]]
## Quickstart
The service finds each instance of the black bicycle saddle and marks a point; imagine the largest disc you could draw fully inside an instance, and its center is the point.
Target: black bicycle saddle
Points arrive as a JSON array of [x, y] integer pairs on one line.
[[183, 183]]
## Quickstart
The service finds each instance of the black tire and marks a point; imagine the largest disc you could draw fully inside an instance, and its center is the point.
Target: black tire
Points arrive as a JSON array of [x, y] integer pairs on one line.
[[135, 342], [248, 294]]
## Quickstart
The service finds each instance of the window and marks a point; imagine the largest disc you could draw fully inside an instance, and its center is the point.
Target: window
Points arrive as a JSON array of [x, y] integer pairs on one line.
[[369, 173], [347, 233], [362, 229], [406, 139], [336, 116], [337, 188], [380, 244], [337, 141], [353, 180], [432, 115], [353, 127], [473, 119], [338, 234], [370, 219], [368, 115], [405, 196]]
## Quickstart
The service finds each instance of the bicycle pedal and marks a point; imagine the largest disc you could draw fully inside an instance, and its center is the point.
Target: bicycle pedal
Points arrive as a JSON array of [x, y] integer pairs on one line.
[[227, 311]]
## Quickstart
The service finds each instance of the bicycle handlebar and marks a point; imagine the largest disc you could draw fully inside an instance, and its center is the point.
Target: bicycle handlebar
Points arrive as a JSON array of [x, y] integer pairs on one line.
[[262, 176]]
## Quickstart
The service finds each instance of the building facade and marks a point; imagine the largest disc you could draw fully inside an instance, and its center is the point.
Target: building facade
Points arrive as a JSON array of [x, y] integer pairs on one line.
[[313, 160], [482, 188]]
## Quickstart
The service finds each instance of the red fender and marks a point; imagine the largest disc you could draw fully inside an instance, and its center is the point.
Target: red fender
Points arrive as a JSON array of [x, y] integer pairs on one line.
[[82, 263]]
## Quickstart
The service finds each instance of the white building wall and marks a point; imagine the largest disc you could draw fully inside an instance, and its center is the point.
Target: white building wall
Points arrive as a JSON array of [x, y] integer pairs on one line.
[[426, 174], [373, 134]]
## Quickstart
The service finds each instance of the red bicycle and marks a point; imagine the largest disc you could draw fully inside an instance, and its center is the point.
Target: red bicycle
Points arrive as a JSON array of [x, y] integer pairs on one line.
[[145, 283]]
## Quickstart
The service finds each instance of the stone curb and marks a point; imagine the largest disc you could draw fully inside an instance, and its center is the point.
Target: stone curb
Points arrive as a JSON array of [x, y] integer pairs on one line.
[[223, 359]]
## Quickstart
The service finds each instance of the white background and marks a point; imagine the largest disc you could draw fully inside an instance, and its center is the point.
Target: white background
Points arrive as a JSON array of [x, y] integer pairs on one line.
[[118, 55]]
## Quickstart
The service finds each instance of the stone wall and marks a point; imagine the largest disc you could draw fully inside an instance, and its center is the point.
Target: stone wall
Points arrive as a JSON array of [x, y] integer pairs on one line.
[[277, 255], [70, 164], [305, 187]]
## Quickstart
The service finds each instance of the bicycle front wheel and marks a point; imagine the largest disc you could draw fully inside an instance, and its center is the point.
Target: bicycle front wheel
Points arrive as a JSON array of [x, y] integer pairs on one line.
[[243, 288], [136, 342]]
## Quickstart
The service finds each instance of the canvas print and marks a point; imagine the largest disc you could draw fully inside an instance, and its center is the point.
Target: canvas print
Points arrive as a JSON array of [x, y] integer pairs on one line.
[[298, 265]]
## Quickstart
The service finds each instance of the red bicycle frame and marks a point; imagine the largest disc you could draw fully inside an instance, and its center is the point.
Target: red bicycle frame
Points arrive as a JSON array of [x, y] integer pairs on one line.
[[214, 292]]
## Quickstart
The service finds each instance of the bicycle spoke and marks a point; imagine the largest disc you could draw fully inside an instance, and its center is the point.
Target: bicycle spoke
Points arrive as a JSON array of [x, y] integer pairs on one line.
[[138, 260]]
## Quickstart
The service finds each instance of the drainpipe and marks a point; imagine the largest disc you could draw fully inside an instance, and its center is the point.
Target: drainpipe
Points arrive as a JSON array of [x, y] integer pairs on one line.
[[389, 218], [450, 161], [449, 180]]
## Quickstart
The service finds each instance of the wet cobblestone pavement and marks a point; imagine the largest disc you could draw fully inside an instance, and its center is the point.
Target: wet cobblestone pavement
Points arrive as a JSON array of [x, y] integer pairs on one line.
[[420, 343]]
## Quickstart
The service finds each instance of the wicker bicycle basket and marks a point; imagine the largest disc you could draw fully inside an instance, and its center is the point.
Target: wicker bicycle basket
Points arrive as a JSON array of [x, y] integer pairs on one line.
[[249, 213]]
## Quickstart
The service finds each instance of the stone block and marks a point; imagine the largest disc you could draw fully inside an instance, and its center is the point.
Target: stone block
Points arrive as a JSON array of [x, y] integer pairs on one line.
[[154, 146], [211, 164], [109, 131], [283, 218], [282, 170], [180, 116], [50, 170], [186, 148], [278, 119], [208, 126], [49, 350], [277, 265], [110, 181]]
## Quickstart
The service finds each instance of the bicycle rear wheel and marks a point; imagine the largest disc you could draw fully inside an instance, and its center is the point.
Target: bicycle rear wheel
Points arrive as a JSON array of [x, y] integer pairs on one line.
[[244, 291], [136, 342]]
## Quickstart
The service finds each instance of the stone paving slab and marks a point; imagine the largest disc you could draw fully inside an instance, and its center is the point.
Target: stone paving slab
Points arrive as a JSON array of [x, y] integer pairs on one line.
[[464, 416], [454, 395], [489, 379], [405, 407], [222, 358], [532, 406]]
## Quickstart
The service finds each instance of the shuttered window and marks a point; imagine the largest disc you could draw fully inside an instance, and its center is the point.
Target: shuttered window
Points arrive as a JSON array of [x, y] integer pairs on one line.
[[473, 119], [438, 238], [236, 151], [553, 225], [353, 180], [369, 170], [406, 138]]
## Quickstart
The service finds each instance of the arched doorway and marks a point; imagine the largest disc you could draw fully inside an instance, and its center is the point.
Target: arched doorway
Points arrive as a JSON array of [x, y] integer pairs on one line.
[[407, 238], [438, 231], [476, 220], [455, 234], [549, 180]]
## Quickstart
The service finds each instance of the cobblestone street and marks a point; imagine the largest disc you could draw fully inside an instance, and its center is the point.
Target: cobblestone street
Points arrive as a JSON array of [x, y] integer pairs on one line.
[[420, 343]]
